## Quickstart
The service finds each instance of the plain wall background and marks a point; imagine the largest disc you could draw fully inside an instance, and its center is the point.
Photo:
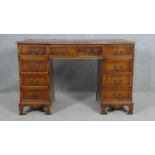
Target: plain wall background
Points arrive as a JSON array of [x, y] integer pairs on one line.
[[78, 75]]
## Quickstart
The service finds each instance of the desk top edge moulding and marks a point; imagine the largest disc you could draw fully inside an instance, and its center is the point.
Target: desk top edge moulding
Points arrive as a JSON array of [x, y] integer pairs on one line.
[[114, 78], [75, 41]]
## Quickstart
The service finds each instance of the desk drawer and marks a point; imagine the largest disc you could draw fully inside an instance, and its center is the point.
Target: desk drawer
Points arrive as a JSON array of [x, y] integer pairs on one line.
[[118, 50], [117, 80], [34, 79], [118, 65], [35, 93], [69, 50], [89, 50], [114, 94], [33, 65], [32, 50]]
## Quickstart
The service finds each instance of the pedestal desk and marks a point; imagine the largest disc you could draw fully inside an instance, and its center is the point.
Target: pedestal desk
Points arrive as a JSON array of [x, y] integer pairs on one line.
[[115, 70]]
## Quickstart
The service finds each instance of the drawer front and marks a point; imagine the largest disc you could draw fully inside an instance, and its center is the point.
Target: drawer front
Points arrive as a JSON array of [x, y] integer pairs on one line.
[[34, 79], [117, 80], [89, 50], [118, 66], [33, 66], [118, 50], [32, 50], [112, 94], [69, 50], [34, 94]]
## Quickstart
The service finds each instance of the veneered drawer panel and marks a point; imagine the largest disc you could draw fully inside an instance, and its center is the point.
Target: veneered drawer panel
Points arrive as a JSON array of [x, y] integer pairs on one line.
[[32, 94], [117, 94], [118, 65], [72, 50], [33, 65], [118, 50], [117, 80], [34, 79], [32, 50], [89, 50]]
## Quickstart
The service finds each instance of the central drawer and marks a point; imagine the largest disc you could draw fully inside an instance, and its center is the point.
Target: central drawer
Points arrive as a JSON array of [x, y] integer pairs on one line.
[[72, 50], [37, 79], [117, 80]]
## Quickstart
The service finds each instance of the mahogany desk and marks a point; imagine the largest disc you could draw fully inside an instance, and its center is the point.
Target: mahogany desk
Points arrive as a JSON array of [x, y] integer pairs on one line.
[[115, 70]]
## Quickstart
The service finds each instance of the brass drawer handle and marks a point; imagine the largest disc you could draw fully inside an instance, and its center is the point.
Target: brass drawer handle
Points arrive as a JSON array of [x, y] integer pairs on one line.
[[120, 52], [33, 95], [118, 68], [34, 82], [118, 96], [117, 81], [32, 52], [34, 66], [91, 51]]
